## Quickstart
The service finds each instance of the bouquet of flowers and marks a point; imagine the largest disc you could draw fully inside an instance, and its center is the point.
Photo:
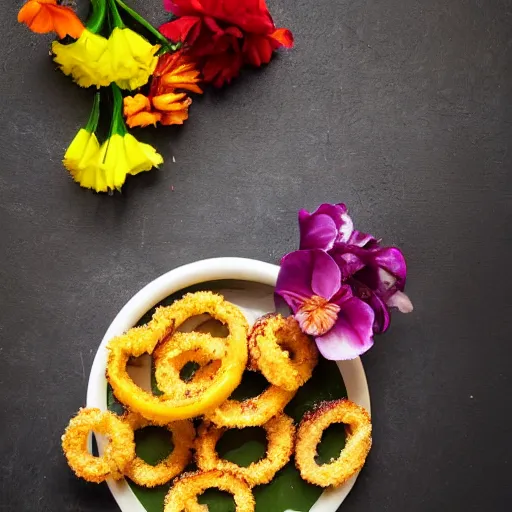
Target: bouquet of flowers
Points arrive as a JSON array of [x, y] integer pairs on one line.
[[148, 74]]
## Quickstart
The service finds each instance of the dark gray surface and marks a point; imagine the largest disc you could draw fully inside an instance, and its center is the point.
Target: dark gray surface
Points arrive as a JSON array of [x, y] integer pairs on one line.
[[402, 109]]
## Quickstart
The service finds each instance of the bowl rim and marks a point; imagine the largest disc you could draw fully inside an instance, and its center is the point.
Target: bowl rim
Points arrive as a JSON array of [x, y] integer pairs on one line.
[[215, 269]]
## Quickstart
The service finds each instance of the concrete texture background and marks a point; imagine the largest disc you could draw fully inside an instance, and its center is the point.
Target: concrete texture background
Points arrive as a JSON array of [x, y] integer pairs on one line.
[[402, 110]]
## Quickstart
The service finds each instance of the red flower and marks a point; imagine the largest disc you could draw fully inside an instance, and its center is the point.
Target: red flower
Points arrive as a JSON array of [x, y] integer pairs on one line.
[[225, 34]]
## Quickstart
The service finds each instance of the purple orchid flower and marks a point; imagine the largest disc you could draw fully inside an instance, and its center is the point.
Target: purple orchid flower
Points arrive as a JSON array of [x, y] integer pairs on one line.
[[329, 224], [376, 274], [310, 283]]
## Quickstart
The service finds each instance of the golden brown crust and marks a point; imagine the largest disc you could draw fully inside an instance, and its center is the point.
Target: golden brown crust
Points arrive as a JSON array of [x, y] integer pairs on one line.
[[167, 372], [253, 412], [281, 351], [353, 455], [183, 436], [119, 452], [183, 494], [170, 357], [140, 340], [280, 435]]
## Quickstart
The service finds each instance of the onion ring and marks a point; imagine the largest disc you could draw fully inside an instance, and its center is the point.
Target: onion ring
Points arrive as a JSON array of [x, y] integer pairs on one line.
[[119, 452], [142, 473], [353, 455], [253, 412], [165, 321], [281, 438], [183, 495], [281, 351], [172, 355]]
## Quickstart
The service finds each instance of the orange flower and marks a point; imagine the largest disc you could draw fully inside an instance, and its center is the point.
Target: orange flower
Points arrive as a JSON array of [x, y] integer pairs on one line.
[[43, 16], [165, 104], [177, 72], [166, 109], [138, 112]]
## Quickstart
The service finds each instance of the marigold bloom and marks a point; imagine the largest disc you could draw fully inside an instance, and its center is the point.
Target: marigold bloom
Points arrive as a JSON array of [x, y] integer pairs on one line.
[[84, 59], [176, 71], [43, 16], [167, 109], [165, 104]]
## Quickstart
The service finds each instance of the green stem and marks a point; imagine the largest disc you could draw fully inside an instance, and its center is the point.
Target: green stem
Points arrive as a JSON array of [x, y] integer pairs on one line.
[[97, 18], [94, 117], [158, 36], [118, 125], [116, 17]]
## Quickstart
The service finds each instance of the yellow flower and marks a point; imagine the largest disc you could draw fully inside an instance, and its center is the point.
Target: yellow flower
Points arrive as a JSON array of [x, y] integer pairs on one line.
[[83, 59], [131, 58], [121, 155], [82, 161]]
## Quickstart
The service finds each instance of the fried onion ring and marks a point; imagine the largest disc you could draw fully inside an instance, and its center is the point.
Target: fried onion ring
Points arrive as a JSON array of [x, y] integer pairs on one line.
[[119, 452], [171, 356], [281, 438], [165, 321], [353, 455], [252, 412], [142, 473], [281, 351], [183, 495]]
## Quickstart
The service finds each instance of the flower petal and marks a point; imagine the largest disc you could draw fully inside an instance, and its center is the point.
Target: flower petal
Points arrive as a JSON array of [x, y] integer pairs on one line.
[[284, 37], [352, 334], [185, 29], [326, 275], [339, 213], [360, 239], [317, 232], [348, 262], [294, 279], [134, 104], [401, 301], [257, 50], [392, 260], [382, 318]]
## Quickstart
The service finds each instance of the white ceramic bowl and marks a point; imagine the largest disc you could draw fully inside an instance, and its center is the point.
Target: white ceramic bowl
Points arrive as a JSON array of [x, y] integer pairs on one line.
[[253, 305]]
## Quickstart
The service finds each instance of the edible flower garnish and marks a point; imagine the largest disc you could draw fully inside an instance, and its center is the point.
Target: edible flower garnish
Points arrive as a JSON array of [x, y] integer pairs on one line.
[[82, 157], [223, 35], [209, 41], [83, 59], [43, 16], [105, 168], [132, 59], [166, 102], [341, 284], [122, 153]]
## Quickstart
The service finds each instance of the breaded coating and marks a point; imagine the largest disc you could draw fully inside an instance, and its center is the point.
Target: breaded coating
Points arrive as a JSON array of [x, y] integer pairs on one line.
[[183, 494], [173, 354], [165, 321], [183, 436], [282, 352], [353, 455], [119, 452], [252, 412], [280, 436]]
